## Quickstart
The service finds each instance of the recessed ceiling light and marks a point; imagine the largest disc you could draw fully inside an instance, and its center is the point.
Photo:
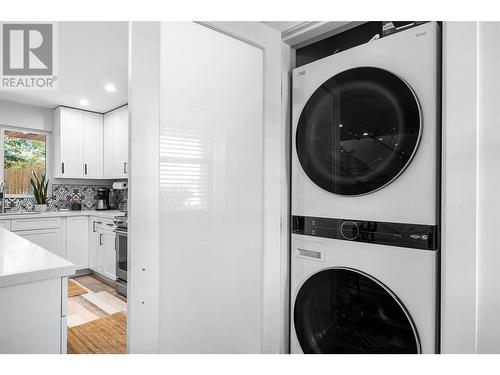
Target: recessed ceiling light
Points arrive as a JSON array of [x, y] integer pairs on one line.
[[84, 102], [110, 87]]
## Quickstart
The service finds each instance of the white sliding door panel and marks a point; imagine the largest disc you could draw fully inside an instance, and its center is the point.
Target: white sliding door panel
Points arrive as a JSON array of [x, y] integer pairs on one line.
[[220, 198]]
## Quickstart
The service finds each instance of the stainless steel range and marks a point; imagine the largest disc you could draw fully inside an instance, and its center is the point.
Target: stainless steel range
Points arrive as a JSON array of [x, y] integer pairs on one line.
[[121, 231]]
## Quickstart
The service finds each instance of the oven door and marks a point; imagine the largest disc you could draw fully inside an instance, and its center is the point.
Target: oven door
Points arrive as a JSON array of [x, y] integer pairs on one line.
[[121, 254]]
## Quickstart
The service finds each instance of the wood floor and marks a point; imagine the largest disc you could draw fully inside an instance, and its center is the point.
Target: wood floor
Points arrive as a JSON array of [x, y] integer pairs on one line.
[[96, 319]]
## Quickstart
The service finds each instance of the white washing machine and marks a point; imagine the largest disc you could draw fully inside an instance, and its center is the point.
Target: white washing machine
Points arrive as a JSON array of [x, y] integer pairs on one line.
[[354, 297], [365, 175], [365, 131]]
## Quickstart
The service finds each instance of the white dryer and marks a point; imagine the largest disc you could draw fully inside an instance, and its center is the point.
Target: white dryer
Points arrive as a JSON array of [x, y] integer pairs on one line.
[[354, 297], [366, 131], [364, 262]]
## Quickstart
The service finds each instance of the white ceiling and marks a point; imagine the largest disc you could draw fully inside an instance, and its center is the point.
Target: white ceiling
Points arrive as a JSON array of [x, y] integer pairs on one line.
[[90, 55]]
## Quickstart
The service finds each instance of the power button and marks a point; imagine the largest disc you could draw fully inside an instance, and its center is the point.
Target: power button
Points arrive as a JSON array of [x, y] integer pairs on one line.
[[349, 230]]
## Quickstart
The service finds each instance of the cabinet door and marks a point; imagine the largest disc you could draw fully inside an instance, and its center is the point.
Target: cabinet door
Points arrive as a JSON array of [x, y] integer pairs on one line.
[[49, 239], [100, 253], [120, 149], [116, 143], [106, 254], [5, 224], [109, 255], [70, 143], [77, 249], [92, 145], [109, 119], [93, 243]]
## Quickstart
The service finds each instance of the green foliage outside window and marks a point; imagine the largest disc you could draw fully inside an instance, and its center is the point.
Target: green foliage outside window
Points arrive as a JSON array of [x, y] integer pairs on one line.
[[21, 152]]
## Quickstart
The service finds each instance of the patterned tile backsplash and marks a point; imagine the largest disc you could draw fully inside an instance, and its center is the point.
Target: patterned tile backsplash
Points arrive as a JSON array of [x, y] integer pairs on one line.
[[86, 194]]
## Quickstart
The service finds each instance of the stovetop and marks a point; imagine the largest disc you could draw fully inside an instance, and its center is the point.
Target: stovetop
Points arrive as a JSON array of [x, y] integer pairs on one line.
[[121, 221]]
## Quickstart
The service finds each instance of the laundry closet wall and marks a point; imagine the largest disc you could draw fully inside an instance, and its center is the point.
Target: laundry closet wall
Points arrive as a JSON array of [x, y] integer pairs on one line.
[[459, 188], [488, 329], [471, 182]]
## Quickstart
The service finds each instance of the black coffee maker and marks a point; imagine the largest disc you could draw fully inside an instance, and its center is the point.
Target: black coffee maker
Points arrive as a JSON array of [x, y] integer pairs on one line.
[[102, 199]]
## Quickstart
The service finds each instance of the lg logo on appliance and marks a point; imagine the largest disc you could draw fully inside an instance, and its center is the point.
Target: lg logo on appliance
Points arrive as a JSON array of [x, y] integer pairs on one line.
[[28, 56]]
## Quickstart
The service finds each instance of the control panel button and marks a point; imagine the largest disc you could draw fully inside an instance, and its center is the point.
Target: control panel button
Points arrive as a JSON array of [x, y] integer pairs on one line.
[[349, 230]]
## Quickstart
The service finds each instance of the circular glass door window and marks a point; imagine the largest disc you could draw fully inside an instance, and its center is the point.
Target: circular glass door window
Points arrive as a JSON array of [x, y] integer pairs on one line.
[[343, 311], [358, 131]]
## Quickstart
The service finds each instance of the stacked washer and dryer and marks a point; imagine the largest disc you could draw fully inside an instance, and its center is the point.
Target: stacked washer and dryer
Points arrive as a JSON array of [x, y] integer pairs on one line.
[[365, 198]]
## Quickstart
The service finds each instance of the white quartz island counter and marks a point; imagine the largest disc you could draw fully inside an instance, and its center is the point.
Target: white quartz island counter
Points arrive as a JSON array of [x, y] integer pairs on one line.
[[33, 297], [23, 262]]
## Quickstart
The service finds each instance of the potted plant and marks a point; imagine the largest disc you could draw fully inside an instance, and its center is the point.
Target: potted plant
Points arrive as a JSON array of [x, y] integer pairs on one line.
[[40, 187]]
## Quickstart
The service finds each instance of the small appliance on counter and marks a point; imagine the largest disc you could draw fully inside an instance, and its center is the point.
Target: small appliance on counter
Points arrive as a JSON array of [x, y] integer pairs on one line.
[[75, 205], [102, 199]]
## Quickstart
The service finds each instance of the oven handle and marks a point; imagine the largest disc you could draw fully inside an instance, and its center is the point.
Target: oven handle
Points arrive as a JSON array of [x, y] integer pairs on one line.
[[121, 232]]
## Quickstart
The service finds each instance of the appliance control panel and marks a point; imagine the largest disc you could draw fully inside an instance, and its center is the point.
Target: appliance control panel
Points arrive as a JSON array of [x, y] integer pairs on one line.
[[416, 236]]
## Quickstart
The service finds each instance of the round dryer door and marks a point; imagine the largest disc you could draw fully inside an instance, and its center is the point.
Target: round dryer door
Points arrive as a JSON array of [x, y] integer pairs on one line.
[[358, 131], [344, 311]]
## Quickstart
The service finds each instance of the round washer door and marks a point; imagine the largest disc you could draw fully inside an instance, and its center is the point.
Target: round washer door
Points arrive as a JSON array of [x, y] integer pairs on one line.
[[358, 131], [343, 311]]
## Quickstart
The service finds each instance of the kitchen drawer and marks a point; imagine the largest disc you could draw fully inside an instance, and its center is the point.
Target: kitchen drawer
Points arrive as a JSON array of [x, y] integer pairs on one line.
[[102, 223], [5, 224], [28, 224]]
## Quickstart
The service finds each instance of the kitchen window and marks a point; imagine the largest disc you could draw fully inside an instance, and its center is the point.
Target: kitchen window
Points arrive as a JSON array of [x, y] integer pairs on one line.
[[22, 152]]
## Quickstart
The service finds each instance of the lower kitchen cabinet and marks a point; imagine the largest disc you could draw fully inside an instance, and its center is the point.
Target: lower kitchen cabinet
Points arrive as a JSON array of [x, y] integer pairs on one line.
[[5, 224], [107, 249], [93, 238], [102, 253], [85, 243], [77, 241], [50, 239]]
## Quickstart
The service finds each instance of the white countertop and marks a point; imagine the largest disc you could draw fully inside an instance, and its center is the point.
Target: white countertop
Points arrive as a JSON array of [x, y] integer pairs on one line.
[[33, 215], [24, 262]]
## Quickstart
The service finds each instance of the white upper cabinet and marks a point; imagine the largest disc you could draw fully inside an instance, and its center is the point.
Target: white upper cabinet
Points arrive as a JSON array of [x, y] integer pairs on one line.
[[116, 143], [68, 143], [92, 145], [78, 144]]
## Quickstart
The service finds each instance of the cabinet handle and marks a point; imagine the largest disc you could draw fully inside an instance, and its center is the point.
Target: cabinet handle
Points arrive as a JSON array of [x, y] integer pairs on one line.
[[109, 224], [93, 226], [62, 167], [100, 239], [85, 169], [124, 167]]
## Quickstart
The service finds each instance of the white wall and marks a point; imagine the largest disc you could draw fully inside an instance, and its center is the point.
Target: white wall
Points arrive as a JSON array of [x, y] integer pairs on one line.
[[458, 229], [488, 335], [26, 116]]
